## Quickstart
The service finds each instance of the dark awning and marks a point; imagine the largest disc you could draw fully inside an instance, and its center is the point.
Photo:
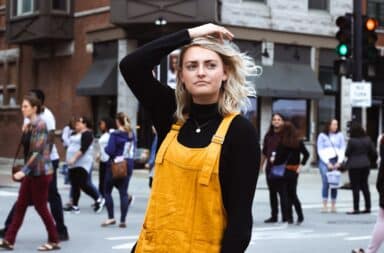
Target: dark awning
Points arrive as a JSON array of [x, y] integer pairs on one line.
[[288, 81], [100, 80]]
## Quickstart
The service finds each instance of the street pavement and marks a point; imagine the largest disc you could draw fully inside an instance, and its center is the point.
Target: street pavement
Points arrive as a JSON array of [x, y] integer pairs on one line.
[[320, 232]]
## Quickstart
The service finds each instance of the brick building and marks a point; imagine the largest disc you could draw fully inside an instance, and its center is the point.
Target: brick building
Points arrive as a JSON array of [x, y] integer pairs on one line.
[[70, 49]]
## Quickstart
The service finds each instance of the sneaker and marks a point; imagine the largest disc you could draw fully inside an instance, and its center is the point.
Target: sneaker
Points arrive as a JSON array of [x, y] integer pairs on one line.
[[63, 236], [99, 205], [2, 232], [75, 209], [67, 207], [271, 220]]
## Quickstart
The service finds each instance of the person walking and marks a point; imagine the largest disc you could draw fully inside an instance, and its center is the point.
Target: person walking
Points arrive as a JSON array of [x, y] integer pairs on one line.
[[36, 176], [80, 161], [54, 197], [288, 152], [106, 126], [120, 145], [277, 186], [377, 237], [207, 163], [152, 155], [360, 152], [330, 148]]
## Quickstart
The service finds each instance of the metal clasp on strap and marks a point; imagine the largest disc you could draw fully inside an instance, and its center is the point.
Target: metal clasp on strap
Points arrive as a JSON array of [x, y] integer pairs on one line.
[[218, 139]]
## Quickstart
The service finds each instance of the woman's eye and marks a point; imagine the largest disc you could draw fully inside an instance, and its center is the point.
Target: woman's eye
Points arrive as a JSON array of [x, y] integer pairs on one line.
[[211, 65], [191, 67]]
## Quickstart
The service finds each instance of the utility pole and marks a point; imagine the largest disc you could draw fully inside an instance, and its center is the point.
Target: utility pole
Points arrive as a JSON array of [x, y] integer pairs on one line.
[[358, 114]]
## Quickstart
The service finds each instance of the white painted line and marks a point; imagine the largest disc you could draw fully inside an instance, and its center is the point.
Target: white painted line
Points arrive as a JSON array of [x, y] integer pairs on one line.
[[124, 246], [280, 227], [358, 238], [8, 194], [130, 237]]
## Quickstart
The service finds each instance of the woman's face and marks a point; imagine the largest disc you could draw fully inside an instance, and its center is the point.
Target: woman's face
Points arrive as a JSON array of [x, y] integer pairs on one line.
[[27, 110], [277, 121], [333, 126], [102, 126], [202, 73], [80, 125]]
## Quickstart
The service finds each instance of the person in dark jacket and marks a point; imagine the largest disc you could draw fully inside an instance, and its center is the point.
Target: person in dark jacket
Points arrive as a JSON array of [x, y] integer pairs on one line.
[[276, 186], [288, 151], [360, 150], [121, 145], [377, 237]]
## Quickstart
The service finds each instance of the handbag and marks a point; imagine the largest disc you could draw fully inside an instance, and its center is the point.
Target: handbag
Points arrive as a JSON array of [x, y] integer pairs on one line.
[[119, 169], [278, 171], [334, 179], [17, 167]]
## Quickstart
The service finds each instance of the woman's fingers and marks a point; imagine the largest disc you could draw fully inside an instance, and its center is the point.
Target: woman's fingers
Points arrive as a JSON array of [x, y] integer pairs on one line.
[[210, 29]]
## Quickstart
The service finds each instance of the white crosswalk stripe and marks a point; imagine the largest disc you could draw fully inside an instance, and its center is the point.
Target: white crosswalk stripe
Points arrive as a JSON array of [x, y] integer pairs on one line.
[[8, 194]]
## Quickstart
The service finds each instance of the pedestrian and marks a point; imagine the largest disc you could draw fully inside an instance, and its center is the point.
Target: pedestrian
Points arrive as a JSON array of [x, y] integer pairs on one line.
[[288, 152], [80, 162], [36, 176], [54, 197], [151, 161], [360, 152], [377, 237], [277, 186], [106, 126], [120, 147], [330, 148], [207, 164], [65, 135]]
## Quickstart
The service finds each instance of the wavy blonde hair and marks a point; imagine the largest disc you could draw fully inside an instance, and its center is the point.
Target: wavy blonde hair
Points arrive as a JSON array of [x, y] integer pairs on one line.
[[124, 121], [235, 91]]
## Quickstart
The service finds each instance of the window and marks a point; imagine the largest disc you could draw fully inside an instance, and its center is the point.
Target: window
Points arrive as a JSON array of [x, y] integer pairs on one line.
[[375, 8], [328, 80], [318, 4], [24, 7], [252, 112], [327, 110], [295, 111], [60, 5]]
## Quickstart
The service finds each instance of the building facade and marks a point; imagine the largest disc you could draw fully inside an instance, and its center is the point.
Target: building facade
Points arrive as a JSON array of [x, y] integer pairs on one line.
[[71, 49]]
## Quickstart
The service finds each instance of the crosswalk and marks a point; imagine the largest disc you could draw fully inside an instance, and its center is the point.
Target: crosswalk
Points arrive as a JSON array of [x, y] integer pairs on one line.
[[275, 232]]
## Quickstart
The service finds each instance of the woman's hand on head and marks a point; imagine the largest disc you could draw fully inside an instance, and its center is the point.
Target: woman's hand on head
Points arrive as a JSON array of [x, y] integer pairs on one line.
[[210, 29]]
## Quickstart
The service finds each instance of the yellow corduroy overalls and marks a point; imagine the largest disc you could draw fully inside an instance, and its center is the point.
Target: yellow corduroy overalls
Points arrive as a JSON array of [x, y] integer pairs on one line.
[[185, 213]]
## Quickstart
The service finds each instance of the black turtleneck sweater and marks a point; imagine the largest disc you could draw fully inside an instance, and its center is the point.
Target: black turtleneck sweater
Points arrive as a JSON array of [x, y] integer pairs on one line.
[[239, 159]]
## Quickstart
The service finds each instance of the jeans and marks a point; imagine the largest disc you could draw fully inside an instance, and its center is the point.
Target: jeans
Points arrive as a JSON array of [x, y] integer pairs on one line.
[[102, 168], [54, 200], [80, 181], [292, 198], [277, 187], [122, 186], [325, 188], [33, 190]]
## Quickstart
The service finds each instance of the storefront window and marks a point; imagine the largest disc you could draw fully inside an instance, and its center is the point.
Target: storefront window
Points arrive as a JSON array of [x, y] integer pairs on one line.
[[327, 110], [295, 111], [60, 5], [252, 113]]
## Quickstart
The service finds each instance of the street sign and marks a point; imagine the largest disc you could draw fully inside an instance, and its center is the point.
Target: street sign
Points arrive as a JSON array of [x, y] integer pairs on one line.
[[361, 94]]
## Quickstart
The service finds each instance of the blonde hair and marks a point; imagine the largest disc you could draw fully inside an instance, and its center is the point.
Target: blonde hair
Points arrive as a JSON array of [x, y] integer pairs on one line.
[[124, 121], [235, 90]]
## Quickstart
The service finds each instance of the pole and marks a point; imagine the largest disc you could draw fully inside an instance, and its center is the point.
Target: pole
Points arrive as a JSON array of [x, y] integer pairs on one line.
[[357, 76]]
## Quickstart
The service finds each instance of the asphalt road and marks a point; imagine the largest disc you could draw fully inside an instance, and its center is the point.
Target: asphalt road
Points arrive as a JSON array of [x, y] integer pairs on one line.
[[329, 232]]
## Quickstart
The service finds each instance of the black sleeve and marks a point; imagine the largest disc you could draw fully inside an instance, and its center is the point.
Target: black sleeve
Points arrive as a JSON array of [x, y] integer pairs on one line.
[[239, 184], [136, 68], [348, 149], [304, 152], [380, 175], [86, 141]]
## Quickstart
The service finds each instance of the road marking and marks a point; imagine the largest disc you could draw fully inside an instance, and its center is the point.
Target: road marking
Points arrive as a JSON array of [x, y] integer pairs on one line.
[[125, 246], [8, 194], [117, 238], [357, 238]]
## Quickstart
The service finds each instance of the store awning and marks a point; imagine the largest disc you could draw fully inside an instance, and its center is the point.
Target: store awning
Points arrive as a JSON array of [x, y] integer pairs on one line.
[[286, 80], [100, 80]]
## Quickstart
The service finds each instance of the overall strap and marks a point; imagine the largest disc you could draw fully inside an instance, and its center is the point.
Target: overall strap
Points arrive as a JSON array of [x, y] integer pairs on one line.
[[168, 139], [214, 149]]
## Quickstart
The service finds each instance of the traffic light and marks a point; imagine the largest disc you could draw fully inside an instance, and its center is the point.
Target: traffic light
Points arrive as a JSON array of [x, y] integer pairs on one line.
[[370, 51], [344, 35]]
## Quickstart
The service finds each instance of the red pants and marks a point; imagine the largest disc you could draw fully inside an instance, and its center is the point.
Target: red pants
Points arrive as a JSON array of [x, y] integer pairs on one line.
[[33, 190]]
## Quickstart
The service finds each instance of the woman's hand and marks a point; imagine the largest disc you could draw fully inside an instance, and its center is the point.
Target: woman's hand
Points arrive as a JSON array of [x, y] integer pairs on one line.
[[330, 166], [210, 29], [71, 161], [18, 175]]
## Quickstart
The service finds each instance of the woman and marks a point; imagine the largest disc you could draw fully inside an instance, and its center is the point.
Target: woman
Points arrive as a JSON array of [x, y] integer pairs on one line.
[[106, 126], [360, 152], [207, 164], [378, 231], [330, 148], [277, 187], [80, 161], [36, 175], [120, 146], [288, 152]]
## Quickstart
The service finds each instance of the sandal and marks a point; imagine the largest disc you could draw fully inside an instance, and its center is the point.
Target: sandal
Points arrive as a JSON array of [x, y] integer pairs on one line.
[[108, 223], [49, 246], [4, 244], [122, 225]]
